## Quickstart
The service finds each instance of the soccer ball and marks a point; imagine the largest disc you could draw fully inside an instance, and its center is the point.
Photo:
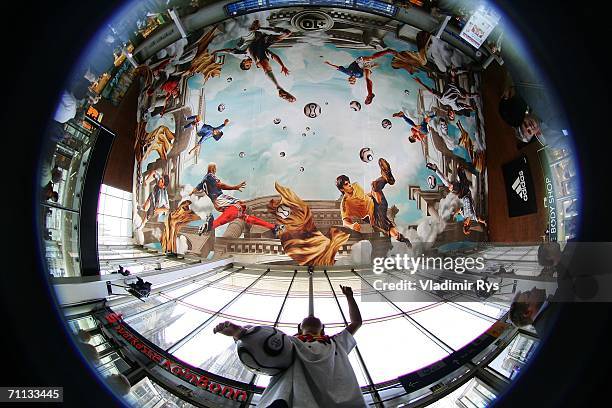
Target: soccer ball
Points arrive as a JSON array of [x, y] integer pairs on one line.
[[221, 107], [366, 155], [265, 350], [277, 121], [312, 110], [242, 154], [431, 182], [301, 169], [282, 154], [386, 123], [283, 211], [355, 105]]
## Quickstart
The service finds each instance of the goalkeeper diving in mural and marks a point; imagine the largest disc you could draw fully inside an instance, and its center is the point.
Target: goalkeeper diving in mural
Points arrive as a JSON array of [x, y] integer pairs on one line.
[[301, 239], [257, 44], [204, 131], [230, 207], [418, 132], [362, 67]]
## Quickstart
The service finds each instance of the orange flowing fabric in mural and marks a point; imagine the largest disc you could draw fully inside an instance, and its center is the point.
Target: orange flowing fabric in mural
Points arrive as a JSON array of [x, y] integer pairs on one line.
[[301, 239], [204, 63], [173, 224], [160, 141], [409, 60], [413, 60]]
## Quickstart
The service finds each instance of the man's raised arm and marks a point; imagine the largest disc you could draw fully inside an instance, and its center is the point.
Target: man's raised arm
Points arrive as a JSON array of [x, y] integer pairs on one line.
[[354, 313], [229, 329], [238, 187], [331, 65]]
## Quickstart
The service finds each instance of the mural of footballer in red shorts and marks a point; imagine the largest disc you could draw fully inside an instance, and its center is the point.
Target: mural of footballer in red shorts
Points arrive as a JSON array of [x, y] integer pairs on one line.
[[230, 207]]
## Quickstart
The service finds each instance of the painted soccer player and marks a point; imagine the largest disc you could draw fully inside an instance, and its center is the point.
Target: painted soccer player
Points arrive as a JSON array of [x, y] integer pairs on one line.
[[230, 207], [204, 131], [157, 202], [358, 206], [455, 98], [362, 67], [418, 132], [462, 189], [257, 45], [168, 90]]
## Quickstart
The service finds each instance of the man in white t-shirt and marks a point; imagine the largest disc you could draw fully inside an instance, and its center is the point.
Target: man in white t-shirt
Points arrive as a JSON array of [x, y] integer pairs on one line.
[[321, 375]]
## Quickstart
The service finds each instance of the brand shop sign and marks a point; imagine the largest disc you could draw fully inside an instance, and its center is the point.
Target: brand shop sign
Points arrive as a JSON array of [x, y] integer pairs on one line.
[[150, 353], [520, 191], [550, 201]]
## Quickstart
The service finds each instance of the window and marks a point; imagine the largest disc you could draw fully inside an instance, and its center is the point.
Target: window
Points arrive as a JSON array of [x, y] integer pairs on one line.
[[114, 216], [396, 338], [510, 361], [476, 395], [144, 395], [450, 401]]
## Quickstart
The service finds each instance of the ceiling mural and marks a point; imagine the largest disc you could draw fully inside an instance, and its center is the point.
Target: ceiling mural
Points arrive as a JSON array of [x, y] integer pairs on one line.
[[291, 135]]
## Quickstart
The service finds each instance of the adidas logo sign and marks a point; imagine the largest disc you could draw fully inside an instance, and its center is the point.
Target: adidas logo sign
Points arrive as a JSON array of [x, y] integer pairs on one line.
[[520, 187]]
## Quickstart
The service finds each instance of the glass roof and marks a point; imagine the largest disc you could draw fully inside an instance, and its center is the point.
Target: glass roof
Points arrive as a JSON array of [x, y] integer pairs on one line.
[[396, 337]]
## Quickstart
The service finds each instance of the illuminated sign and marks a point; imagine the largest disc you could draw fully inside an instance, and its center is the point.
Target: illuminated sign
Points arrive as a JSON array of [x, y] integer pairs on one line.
[[520, 190], [550, 201], [94, 114], [150, 353], [479, 26], [87, 125], [248, 6]]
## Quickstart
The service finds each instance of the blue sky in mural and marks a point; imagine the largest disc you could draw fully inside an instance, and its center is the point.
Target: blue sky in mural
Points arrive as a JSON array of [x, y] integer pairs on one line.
[[325, 146]]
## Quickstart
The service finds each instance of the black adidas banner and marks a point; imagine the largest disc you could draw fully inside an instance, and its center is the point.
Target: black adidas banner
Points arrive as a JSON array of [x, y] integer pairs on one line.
[[519, 188]]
